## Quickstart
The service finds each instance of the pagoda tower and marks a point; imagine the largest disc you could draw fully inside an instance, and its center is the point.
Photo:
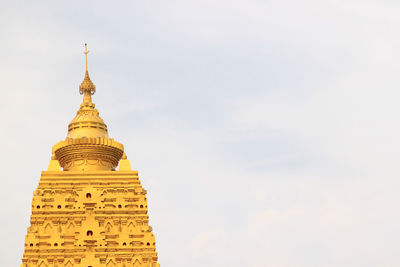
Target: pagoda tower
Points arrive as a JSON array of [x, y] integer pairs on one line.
[[85, 212]]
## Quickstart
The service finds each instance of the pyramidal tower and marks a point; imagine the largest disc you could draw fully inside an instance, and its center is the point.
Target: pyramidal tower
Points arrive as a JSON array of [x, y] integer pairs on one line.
[[85, 211]]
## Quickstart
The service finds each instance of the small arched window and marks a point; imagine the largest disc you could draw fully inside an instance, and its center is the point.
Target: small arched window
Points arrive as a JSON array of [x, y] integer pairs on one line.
[[88, 195], [89, 233]]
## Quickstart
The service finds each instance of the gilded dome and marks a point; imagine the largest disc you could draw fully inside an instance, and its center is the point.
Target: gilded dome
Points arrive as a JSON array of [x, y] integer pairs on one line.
[[87, 123]]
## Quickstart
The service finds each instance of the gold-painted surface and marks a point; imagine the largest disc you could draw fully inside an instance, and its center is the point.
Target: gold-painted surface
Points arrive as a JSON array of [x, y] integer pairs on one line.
[[84, 212], [124, 164]]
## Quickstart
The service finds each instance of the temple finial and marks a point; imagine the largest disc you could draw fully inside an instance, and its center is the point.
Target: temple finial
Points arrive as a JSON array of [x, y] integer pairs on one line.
[[87, 86], [86, 52]]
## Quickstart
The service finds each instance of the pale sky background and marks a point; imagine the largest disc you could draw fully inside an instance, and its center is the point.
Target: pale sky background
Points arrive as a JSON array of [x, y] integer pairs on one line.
[[266, 132]]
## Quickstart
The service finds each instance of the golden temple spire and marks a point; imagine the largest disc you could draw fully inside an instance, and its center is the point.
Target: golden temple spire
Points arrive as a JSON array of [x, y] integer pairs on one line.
[[85, 210], [87, 122], [87, 87], [86, 52]]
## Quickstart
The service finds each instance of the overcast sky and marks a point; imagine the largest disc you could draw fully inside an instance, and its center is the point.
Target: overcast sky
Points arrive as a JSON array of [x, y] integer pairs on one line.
[[266, 132]]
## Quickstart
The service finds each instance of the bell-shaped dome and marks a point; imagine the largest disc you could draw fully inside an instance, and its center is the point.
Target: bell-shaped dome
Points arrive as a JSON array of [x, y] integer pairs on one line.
[[87, 123]]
